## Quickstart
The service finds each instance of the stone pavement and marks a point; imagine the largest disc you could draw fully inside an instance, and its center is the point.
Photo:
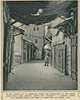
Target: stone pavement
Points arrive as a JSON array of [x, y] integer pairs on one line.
[[35, 76]]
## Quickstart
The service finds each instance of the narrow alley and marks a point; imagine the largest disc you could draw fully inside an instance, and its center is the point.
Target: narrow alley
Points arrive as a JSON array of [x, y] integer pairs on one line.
[[35, 76], [36, 33]]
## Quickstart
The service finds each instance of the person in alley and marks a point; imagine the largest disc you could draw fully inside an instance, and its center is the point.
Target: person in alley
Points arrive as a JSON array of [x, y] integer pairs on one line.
[[46, 58]]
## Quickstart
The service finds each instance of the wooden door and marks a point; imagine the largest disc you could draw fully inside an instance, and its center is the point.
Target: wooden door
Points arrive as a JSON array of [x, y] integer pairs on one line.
[[55, 56], [74, 57], [60, 58], [64, 59]]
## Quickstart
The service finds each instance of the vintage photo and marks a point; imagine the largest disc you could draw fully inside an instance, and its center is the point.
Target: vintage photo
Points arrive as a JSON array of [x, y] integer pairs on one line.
[[40, 45]]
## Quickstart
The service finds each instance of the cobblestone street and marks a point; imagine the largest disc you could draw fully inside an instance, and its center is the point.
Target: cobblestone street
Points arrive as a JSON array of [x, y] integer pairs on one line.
[[35, 76]]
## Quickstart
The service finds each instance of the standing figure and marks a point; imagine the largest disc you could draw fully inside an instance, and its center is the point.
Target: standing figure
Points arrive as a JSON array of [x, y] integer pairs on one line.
[[46, 58]]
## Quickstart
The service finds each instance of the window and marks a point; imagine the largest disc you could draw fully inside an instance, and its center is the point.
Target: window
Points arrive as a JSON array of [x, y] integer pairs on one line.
[[36, 40], [34, 28], [37, 28]]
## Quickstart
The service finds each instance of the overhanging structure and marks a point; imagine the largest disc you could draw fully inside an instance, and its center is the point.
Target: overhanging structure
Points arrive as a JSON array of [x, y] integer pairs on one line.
[[21, 11]]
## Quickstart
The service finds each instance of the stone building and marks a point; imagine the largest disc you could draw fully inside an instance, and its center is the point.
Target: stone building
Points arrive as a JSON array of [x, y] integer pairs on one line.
[[64, 44], [36, 37], [24, 48]]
